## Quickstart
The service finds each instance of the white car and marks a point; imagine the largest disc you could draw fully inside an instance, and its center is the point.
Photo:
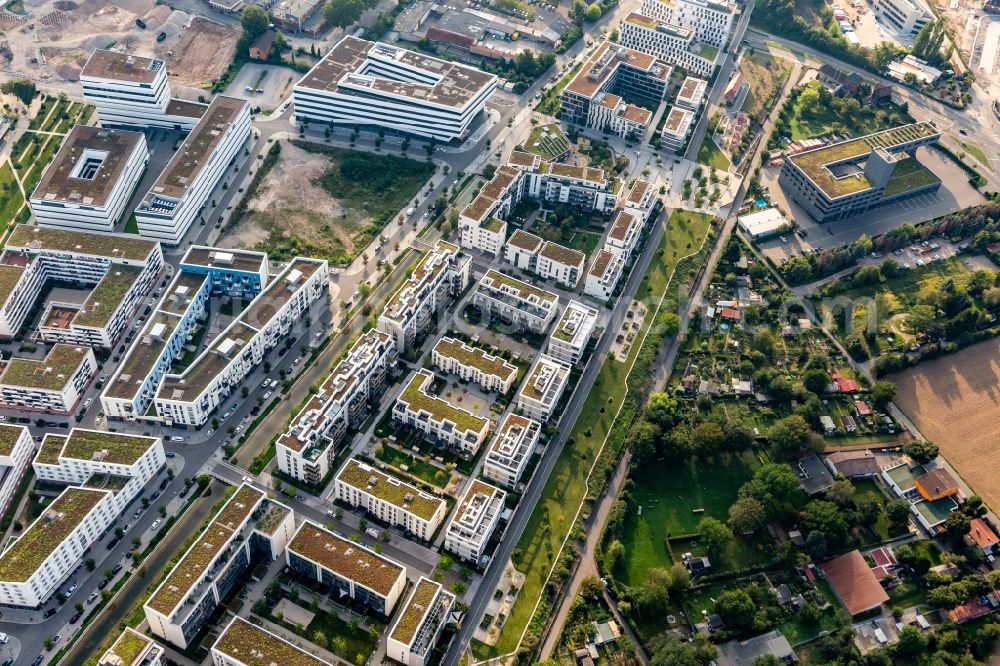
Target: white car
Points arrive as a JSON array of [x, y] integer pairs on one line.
[[4, 638], [156, 523], [88, 402]]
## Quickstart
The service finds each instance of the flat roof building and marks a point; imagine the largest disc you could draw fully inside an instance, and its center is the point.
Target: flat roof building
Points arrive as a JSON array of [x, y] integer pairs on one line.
[[539, 395], [516, 302], [572, 333], [677, 127], [521, 250], [561, 264], [133, 649], [475, 520], [605, 272], [54, 384], [16, 449], [438, 419], [390, 499], [623, 238], [372, 84], [763, 223], [418, 626], [511, 449], [692, 93], [245, 644], [472, 364], [89, 181], [710, 20], [673, 45]]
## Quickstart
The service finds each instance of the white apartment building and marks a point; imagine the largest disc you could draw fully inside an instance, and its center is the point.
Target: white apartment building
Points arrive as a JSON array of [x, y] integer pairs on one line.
[[640, 199], [560, 264], [54, 384], [609, 112], [670, 43], [203, 272], [605, 271], [133, 649], [907, 16], [307, 449], [438, 419], [586, 188], [511, 450], [522, 250], [179, 195], [131, 91], [347, 568], [247, 528], [245, 644], [440, 275], [677, 128], [119, 270], [571, 335], [540, 393], [711, 20], [624, 235], [16, 450], [190, 398], [416, 631], [473, 364], [88, 183], [516, 302], [481, 224], [390, 499], [475, 520], [692, 93], [375, 85], [43, 557]]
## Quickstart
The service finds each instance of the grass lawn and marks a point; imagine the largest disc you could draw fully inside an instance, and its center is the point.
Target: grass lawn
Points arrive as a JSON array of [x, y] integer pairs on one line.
[[566, 487], [710, 155], [10, 196], [585, 242], [549, 104], [905, 594], [870, 119], [358, 642], [976, 152], [132, 226], [422, 470]]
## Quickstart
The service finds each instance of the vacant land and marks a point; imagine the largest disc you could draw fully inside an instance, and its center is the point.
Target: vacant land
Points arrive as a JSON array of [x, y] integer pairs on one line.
[[199, 54], [326, 202], [955, 403], [764, 75], [711, 155]]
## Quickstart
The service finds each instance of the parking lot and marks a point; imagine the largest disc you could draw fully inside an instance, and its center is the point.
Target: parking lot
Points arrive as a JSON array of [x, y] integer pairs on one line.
[[275, 82]]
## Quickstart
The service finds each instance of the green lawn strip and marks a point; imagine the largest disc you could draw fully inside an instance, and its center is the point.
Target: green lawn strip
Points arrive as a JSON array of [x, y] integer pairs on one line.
[[905, 594], [710, 155], [11, 199], [976, 152], [566, 487], [414, 466], [549, 104]]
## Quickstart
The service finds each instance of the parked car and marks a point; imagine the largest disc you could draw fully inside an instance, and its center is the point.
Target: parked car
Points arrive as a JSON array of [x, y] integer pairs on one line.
[[112, 543], [37, 661], [142, 24], [71, 589], [103, 584], [75, 617], [49, 613], [117, 568], [92, 598], [162, 36], [176, 438], [156, 523]]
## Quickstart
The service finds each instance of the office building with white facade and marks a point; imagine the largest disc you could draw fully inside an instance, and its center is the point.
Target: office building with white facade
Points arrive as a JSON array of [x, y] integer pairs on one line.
[[131, 91], [417, 628], [475, 520], [437, 418], [672, 44], [710, 20], [35, 564], [54, 384], [677, 128], [248, 529], [572, 333], [307, 449], [440, 275], [473, 364], [183, 189], [513, 301], [375, 85], [605, 272], [348, 569], [908, 17], [89, 181], [522, 250], [391, 500], [17, 448], [118, 269], [244, 644], [511, 449], [560, 264], [539, 395], [133, 649]]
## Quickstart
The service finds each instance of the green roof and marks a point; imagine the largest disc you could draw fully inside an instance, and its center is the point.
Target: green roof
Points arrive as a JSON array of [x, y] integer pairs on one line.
[[475, 357], [439, 409], [908, 175], [130, 646], [253, 646], [524, 289], [275, 514], [100, 245], [50, 374], [9, 276], [9, 435], [48, 452], [142, 357], [417, 607], [390, 489], [346, 558], [110, 447], [107, 296], [49, 530], [494, 224]]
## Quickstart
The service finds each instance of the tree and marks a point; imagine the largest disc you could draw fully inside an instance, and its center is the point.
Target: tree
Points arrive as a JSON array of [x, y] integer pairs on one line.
[[912, 642], [815, 381], [652, 597], [746, 515], [715, 536], [319, 638], [89, 563], [591, 587], [737, 608], [898, 510], [338, 645], [767, 660], [592, 13], [777, 480], [616, 554], [738, 436], [841, 493], [921, 451], [883, 393], [661, 409], [342, 13], [254, 20], [707, 438], [791, 435], [825, 517], [23, 89], [816, 544], [670, 651], [956, 526]]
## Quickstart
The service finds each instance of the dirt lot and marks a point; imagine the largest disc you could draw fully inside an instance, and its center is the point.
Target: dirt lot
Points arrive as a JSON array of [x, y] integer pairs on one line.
[[198, 54], [765, 75], [955, 402]]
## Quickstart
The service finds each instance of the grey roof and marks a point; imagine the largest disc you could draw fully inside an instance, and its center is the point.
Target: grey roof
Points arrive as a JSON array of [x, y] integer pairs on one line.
[[744, 653], [813, 475]]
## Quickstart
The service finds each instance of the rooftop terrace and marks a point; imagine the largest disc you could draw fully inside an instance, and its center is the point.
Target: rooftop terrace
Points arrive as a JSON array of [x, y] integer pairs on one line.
[[522, 290], [417, 607], [603, 64], [130, 646], [106, 64], [108, 447], [475, 357]]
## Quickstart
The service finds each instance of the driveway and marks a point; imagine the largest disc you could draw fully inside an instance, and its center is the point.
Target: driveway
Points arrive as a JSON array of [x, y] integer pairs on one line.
[[276, 82]]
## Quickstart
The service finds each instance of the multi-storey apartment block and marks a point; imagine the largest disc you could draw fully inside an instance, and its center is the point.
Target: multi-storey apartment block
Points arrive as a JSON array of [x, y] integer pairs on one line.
[[516, 302], [640, 200], [419, 625], [375, 85], [692, 93], [347, 568], [522, 250], [475, 520], [852, 176], [711, 20], [307, 449], [189, 398], [133, 649], [16, 450], [55, 384], [677, 128], [511, 450], [612, 73], [130, 91], [37, 562], [560, 264], [436, 418], [668, 43], [606, 270], [245, 644], [119, 270], [481, 224], [101, 460], [623, 238], [88, 183], [540, 393], [473, 364], [389, 499], [180, 193], [571, 335], [249, 528], [441, 274], [203, 272], [586, 188]]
